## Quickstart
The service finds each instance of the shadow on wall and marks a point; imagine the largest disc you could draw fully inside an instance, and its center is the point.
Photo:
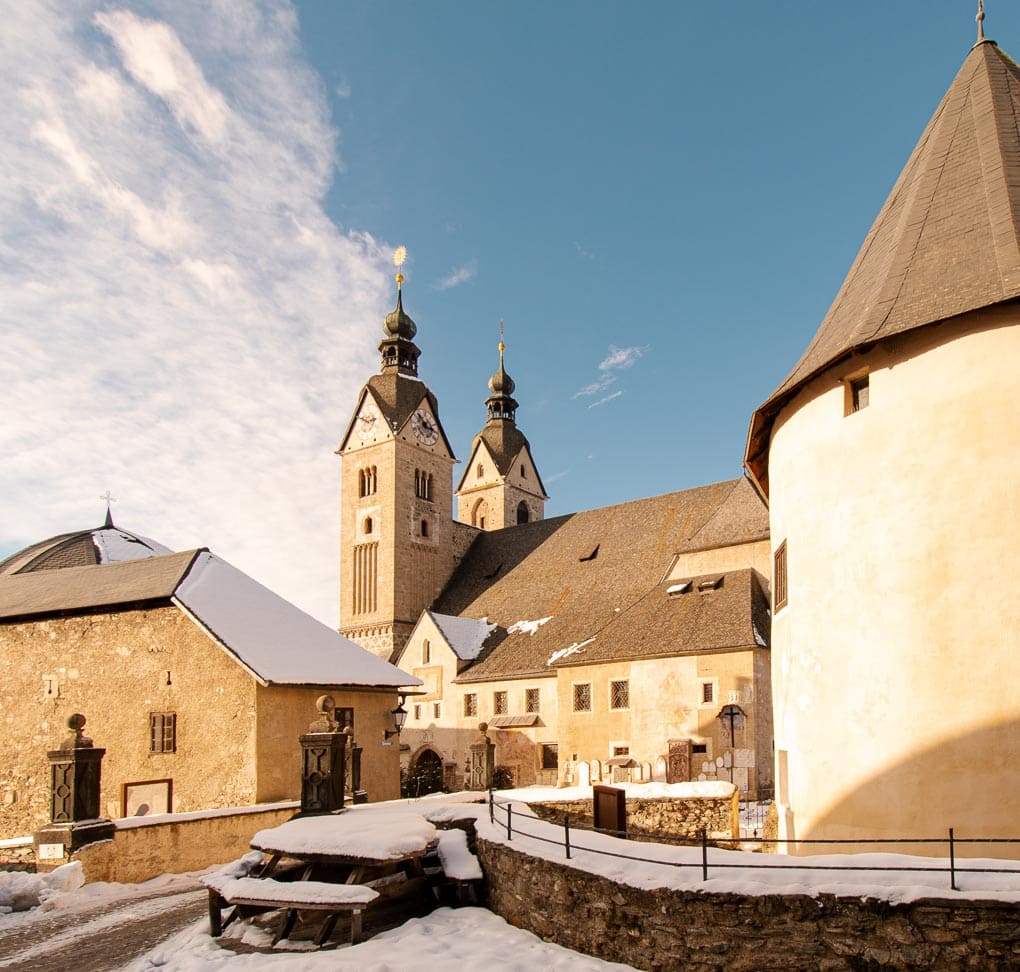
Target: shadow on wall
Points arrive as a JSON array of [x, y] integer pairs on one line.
[[970, 783]]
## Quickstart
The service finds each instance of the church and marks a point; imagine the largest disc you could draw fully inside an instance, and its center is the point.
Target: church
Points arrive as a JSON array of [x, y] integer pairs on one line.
[[624, 643]]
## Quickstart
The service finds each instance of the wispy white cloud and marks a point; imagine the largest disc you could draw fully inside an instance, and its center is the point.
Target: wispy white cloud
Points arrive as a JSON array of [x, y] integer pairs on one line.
[[582, 252], [342, 90], [556, 476], [458, 276], [617, 359], [181, 321], [608, 398]]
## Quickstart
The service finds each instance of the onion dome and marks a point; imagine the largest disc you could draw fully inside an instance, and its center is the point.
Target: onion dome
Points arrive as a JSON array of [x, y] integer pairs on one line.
[[398, 350], [500, 402]]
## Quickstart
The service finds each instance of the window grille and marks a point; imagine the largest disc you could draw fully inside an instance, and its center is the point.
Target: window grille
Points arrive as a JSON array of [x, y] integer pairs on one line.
[[582, 697], [163, 732], [471, 705], [619, 694], [499, 703], [531, 700]]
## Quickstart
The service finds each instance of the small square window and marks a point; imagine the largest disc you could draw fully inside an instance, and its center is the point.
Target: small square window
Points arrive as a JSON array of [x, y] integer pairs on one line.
[[550, 756], [499, 703], [162, 732], [582, 697], [857, 394], [619, 694], [531, 700], [619, 750], [471, 704]]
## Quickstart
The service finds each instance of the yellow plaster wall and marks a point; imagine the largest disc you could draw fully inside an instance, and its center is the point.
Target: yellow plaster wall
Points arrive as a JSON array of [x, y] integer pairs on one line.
[[896, 660], [113, 668], [174, 846], [720, 560], [284, 715]]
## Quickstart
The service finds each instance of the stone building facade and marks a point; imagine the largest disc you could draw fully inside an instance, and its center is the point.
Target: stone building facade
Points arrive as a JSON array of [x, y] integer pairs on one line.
[[197, 705]]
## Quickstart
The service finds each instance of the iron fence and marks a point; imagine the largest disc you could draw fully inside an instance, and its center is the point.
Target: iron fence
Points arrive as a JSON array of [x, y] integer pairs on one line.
[[512, 819]]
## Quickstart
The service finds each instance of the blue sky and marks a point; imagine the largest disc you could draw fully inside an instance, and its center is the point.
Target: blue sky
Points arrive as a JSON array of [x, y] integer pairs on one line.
[[199, 202]]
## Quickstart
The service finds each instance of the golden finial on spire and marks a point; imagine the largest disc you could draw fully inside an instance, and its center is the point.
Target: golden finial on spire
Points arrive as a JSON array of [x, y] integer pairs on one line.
[[502, 346], [980, 18], [399, 256]]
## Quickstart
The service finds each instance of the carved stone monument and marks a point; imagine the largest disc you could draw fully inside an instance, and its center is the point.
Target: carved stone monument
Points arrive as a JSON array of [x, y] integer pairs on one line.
[[75, 774], [324, 761]]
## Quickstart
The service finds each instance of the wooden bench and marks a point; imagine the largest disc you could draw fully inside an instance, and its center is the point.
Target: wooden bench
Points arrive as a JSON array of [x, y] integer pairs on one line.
[[250, 896]]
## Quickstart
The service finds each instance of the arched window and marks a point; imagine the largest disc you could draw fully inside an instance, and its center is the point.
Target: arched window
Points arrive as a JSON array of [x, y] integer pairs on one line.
[[366, 481], [522, 512], [368, 524], [422, 484], [478, 514]]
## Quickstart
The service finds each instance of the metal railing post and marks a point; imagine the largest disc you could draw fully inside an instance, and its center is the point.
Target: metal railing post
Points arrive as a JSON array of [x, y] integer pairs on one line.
[[704, 854], [492, 809], [566, 833], [509, 825], [952, 860]]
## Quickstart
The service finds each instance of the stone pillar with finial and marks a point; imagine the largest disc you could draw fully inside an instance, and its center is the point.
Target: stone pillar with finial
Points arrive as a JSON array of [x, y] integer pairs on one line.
[[75, 777], [324, 761]]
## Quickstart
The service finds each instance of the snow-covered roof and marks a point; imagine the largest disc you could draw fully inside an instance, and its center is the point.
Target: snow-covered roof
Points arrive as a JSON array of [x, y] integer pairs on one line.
[[275, 640], [466, 636]]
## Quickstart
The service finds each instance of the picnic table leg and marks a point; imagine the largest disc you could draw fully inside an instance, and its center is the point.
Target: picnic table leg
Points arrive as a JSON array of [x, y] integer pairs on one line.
[[268, 866], [288, 925], [355, 926], [327, 929], [215, 914]]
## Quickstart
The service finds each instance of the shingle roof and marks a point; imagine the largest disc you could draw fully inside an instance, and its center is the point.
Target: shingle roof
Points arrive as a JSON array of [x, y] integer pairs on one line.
[[947, 240], [269, 636], [504, 441], [546, 569], [397, 397], [101, 545], [93, 586]]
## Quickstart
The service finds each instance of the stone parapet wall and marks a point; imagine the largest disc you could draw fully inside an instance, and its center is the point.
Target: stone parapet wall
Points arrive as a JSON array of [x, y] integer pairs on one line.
[[718, 816], [177, 843], [712, 932]]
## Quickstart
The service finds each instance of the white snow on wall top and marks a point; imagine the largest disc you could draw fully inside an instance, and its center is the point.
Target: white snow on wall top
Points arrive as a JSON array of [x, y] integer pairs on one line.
[[465, 635], [276, 640], [115, 546]]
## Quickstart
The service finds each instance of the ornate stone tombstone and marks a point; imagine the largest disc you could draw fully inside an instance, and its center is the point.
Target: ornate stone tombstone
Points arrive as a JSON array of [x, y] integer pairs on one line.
[[324, 761], [481, 761], [75, 775], [678, 767]]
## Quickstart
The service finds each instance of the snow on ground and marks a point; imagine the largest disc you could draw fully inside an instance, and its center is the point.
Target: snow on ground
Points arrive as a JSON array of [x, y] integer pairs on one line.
[[471, 938], [20, 891]]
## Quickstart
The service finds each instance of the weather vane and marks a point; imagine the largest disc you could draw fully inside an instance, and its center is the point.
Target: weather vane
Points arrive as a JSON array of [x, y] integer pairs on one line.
[[980, 18], [399, 256], [502, 346]]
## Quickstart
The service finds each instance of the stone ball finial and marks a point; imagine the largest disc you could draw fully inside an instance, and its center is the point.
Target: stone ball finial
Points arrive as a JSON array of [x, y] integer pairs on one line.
[[325, 703], [78, 739]]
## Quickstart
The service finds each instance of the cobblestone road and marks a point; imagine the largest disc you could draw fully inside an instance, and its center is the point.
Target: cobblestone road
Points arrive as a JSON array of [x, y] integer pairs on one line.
[[102, 939]]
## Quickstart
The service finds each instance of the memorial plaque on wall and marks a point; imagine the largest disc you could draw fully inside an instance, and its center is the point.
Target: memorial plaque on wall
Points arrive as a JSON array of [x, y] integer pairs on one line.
[[678, 766]]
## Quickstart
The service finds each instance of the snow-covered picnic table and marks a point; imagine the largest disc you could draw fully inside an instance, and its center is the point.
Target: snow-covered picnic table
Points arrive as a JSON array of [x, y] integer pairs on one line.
[[353, 855]]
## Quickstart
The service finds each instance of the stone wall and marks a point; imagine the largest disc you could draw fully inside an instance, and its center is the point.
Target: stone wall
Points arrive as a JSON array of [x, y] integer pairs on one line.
[[720, 816], [706, 932], [143, 849]]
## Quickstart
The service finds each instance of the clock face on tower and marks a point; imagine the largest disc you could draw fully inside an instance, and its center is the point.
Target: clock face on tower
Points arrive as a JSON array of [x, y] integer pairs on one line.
[[424, 427], [367, 422]]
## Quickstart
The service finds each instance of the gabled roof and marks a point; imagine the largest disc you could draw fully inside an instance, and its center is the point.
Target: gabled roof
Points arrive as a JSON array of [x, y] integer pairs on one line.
[[466, 636], [504, 442], [53, 591], [947, 240], [398, 396], [588, 573], [274, 640]]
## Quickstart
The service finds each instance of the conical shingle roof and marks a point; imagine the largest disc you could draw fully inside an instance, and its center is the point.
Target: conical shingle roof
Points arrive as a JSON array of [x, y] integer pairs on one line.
[[947, 240]]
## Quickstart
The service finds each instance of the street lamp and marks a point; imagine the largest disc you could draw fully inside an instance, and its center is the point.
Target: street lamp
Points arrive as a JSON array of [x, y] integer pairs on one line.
[[398, 716]]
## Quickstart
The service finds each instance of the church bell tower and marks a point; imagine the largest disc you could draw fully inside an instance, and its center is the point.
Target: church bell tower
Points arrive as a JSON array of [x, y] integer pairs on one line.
[[500, 486], [396, 548]]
